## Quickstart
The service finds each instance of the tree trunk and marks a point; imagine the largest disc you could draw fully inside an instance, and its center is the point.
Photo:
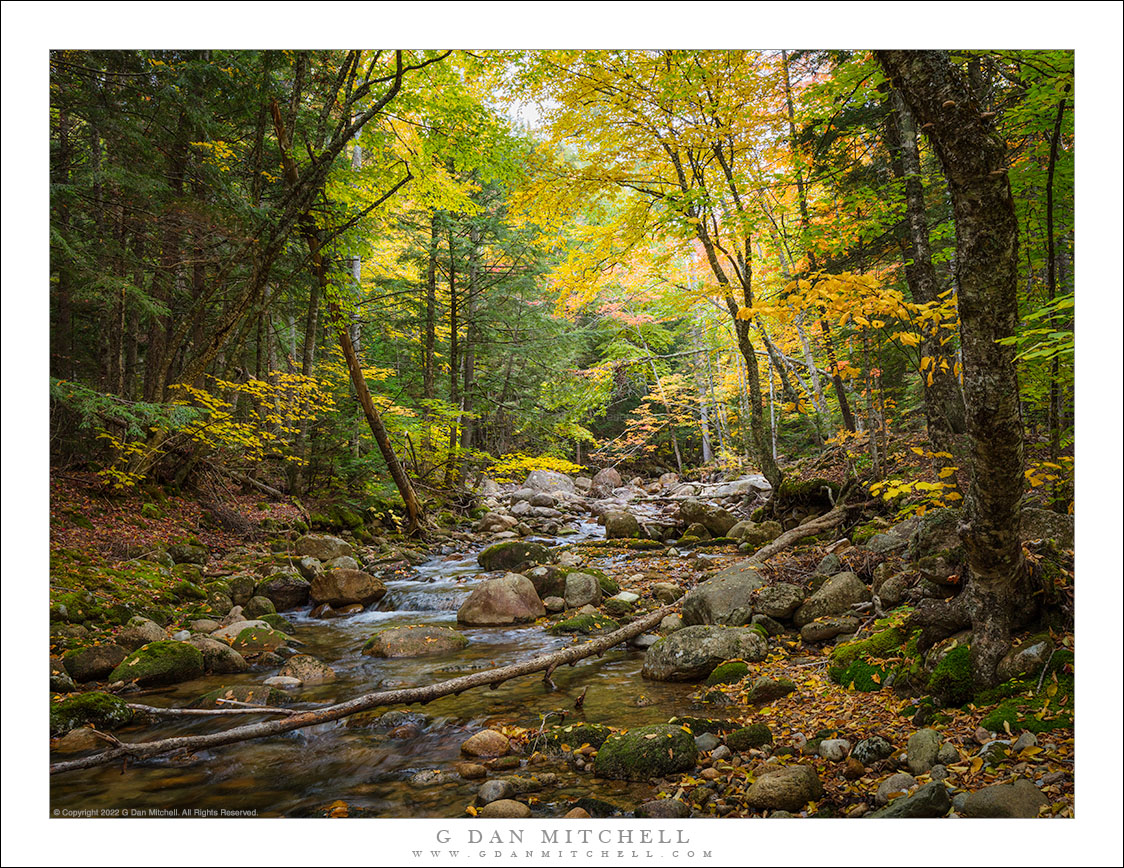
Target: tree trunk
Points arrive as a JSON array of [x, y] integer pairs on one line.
[[973, 157]]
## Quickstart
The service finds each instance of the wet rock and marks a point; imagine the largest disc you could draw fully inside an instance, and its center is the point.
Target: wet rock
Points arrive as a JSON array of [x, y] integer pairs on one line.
[[92, 663], [622, 525], [493, 791], [163, 662], [470, 771], [421, 640], [218, 657], [894, 786], [248, 694], [345, 587], [692, 653], [285, 590], [499, 602], [780, 600], [308, 670], [582, 589], [252, 641], [322, 547], [511, 554], [140, 631], [646, 752], [921, 750], [506, 809], [576, 814], [835, 597], [663, 809], [714, 518], [229, 632], [1020, 799], [726, 598], [871, 750], [486, 743], [930, 800], [78, 740], [283, 682], [429, 778], [789, 788]]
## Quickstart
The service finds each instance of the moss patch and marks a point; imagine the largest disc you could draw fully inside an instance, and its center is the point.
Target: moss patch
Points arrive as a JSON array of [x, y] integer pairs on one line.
[[730, 672], [162, 662], [100, 709], [951, 681], [646, 752], [749, 737], [586, 624], [699, 725], [563, 739], [868, 664]]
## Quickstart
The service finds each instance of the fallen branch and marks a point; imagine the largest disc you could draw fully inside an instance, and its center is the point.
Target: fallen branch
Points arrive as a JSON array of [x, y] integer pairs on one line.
[[407, 696], [157, 711], [810, 528]]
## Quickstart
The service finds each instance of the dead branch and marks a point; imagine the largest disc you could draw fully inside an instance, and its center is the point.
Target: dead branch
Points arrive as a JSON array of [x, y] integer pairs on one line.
[[157, 711], [810, 528], [407, 696]]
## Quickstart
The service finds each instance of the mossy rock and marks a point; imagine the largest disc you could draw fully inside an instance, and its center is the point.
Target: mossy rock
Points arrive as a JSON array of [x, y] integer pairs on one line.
[[258, 640], [808, 492], [161, 662], [511, 554], [717, 541], [563, 739], [730, 672], [586, 624], [76, 607], [749, 737], [646, 752], [1020, 702], [862, 665], [700, 725], [278, 622], [100, 709], [609, 588], [187, 590], [251, 694], [152, 511], [951, 681]]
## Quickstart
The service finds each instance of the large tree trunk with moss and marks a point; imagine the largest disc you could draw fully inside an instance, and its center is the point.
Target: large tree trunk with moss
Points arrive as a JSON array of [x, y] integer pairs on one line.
[[973, 157]]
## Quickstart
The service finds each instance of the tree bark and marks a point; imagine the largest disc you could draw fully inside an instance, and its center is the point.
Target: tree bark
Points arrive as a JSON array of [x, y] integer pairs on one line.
[[973, 157]]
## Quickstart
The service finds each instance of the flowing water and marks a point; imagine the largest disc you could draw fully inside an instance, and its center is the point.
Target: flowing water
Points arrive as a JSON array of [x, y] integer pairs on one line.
[[369, 768]]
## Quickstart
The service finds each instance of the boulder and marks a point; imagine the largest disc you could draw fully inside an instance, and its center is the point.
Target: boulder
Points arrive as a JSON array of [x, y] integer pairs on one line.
[[505, 809], [1020, 799], [666, 592], [692, 653], [257, 606], [835, 597], [823, 629], [420, 640], [549, 480], [921, 750], [285, 590], [486, 743], [928, 801], [669, 479], [229, 632], [186, 553], [622, 525], [780, 600], [343, 587], [92, 663], [754, 534], [1046, 524], [725, 598], [495, 522], [218, 657], [499, 602], [322, 547], [140, 631], [512, 553], [604, 482], [307, 669], [714, 518], [766, 689], [252, 641], [789, 788], [101, 709], [582, 589], [250, 694], [894, 786], [871, 750], [646, 752], [241, 588], [163, 662]]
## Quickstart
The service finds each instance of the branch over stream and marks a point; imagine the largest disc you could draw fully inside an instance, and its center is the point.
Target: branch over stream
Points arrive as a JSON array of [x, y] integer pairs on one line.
[[407, 696]]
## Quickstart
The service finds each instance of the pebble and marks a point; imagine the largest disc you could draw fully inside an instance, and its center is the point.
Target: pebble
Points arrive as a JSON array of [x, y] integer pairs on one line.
[[721, 752], [834, 749], [895, 785]]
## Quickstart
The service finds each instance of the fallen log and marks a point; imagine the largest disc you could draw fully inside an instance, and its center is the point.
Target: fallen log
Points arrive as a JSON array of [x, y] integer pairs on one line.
[[406, 696]]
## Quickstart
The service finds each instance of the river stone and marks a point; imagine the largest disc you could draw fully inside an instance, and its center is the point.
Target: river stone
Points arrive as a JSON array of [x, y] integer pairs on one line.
[[309, 567], [582, 589], [308, 669], [61, 682], [229, 632], [553, 605], [493, 791], [622, 525], [789, 788], [248, 694], [921, 750], [140, 631], [284, 682], [486, 743], [765, 689], [835, 597], [666, 592], [1020, 799], [322, 547], [896, 785], [495, 522], [605, 482], [421, 640], [163, 662], [692, 653], [646, 752], [829, 628], [663, 809], [549, 480], [714, 518], [257, 606], [78, 741], [285, 590], [101, 709], [931, 800], [185, 553], [694, 533], [725, 598], [343, 587], [510, 554], [505, 809], [671, 623], [780, 600], [871, 750], [258, 640], [92, 663], [218, 657], [499, 602], [834, 750], [204, 625]]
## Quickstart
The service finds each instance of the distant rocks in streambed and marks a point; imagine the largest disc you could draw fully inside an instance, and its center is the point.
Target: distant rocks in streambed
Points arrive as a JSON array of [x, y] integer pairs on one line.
[[496, 522], [549, 480], [646, 752], [420, 640], [692, 653], [323, 547], [163, 662], [622, 525], [605, 481], [501, 602], [344, 587], [510, 554]]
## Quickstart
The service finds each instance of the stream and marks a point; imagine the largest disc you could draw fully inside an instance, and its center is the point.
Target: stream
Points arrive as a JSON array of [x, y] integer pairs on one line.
[[369, 768]]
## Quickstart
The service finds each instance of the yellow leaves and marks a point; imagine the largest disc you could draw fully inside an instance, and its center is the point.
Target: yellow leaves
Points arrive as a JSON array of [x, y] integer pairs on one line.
[[907, 338], [946, 472]]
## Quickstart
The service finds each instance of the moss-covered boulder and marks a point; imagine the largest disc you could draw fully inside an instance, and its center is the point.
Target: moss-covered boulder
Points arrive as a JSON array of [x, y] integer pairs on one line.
[[510, 554], [257, 606], [100, 709], [92, 663], [188, 553], [692, 653], [715, 519], [620, 524], [700, 725], [163, 662], [241, 588], [765, 689], [187, 590], [586, 624], [730, 672], [418, 640], [278, 622], [253, 641], [563, 739], [646, 752], [286, 590], [951, 680], [749, 737], [218, 657]]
